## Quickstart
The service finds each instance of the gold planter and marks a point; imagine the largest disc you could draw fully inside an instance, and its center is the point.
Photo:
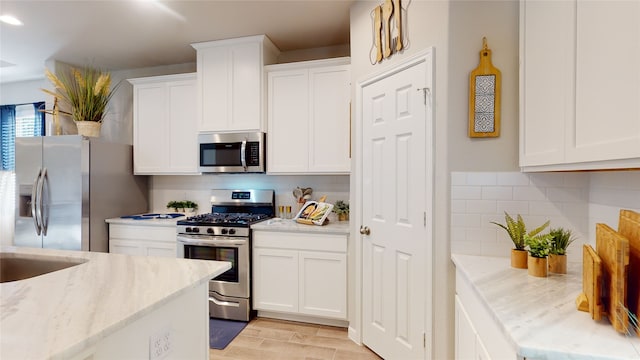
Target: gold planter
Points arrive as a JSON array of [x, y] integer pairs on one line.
[[558, 264], [537, 266], [343, 217], [89, 128], [518, 259]]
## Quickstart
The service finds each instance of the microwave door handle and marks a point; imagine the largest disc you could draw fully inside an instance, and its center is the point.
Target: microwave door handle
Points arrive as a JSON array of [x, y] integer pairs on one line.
[[243, 154]]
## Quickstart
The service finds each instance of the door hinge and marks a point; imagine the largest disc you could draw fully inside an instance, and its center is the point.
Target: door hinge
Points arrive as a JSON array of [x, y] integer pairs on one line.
[[424, 340], [425, 218]]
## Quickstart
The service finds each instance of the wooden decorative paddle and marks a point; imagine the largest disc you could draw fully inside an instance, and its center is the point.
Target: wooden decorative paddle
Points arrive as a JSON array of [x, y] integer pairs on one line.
[[484, 97], [378, 32]]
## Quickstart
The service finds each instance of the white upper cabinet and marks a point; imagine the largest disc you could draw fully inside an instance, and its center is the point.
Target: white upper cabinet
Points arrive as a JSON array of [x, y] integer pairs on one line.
[[165, 125], [579, 85], [309, 117], [230, 83]]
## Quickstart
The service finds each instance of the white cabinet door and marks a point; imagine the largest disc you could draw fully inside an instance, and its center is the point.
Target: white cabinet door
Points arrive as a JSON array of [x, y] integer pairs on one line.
[[465, 335], [547, 68], [183, 130], [142, 240], [165, 125], [288, 109], [127, 247], [150, 128], [323, 284], [230, 83], [579, 85], [329, 122], [275, 280], [309, 118], [607, 121]]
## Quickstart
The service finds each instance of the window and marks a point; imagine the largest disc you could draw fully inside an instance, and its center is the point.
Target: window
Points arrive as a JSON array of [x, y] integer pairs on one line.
[[18, 120]]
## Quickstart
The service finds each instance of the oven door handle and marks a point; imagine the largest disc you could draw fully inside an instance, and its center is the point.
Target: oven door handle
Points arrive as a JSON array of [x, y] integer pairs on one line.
[[223, 303], [203, 240]]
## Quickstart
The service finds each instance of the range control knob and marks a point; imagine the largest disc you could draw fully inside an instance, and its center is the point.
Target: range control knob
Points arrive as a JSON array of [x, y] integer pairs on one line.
[[196, 230], [187, 229], [224, 231], [209, 231], [232, 231]]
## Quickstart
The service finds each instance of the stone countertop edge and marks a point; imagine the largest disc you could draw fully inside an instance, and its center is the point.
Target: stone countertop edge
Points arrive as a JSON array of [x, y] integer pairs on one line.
[[146, 222], [289, 225], [547, 325], [66, 333]]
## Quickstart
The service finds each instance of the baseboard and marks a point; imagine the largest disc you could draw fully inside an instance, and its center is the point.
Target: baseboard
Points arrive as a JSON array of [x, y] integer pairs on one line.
[[303, 318], [354, 336]]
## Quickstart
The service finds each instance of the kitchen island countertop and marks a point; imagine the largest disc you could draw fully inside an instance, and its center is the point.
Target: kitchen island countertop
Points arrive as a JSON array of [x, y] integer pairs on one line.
[[289, 225], [538, 316], [62, 313]]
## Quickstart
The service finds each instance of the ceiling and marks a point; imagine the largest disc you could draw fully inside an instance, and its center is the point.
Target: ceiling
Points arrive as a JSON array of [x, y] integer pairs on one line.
[[127, 34]]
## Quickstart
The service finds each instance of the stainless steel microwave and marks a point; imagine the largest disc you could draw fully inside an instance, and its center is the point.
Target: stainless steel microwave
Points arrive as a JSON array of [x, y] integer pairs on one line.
[[232, 152]]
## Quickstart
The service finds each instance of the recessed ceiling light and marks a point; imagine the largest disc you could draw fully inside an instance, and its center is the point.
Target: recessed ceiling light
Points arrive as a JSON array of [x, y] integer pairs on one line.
[[8, 19]]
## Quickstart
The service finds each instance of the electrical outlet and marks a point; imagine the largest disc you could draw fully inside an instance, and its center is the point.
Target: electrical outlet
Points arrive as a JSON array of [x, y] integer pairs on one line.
[[160, 344]]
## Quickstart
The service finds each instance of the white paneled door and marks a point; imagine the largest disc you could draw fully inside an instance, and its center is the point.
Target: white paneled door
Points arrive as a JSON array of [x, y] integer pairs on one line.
[[396, 209]]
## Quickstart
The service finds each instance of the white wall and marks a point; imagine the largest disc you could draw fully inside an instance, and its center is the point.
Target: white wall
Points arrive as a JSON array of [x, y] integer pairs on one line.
[[455, 29], [610, 191], [23, 92]]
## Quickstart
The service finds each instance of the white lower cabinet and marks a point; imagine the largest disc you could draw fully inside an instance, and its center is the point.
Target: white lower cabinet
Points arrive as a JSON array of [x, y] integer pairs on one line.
[[142, 240], [300, 273], [477, 335]]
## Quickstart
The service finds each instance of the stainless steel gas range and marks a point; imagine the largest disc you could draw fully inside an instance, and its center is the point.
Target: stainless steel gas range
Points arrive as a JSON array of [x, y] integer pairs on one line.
[[225, 235]]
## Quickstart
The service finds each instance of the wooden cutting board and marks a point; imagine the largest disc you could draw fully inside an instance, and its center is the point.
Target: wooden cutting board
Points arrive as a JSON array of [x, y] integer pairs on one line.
[[590, 299], [613, 249], [629, 227]]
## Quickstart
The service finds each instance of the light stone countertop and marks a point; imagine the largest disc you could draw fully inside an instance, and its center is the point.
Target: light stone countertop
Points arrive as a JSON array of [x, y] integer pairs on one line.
[[145, 222], [538, 315], [59, 314], [288, 225]]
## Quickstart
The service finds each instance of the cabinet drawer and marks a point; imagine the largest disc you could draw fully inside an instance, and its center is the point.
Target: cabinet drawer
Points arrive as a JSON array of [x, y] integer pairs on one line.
[[300, 241], [131, 232]]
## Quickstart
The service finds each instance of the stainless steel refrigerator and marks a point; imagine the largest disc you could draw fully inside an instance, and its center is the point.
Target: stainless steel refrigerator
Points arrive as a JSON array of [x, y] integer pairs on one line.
[[66, 186]]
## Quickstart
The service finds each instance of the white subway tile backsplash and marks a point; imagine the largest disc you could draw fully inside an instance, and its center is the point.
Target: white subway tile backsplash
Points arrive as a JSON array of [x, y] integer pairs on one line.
[[513, 207], [458, 206], [513, 179], [458, 178], [544, 208], [529, 193], [481, 206], [478, 199], [481, 178], [466, 192], [497, 192]]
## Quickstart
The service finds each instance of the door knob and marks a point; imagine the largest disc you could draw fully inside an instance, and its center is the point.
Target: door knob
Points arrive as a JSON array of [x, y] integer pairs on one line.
[[364, 230]]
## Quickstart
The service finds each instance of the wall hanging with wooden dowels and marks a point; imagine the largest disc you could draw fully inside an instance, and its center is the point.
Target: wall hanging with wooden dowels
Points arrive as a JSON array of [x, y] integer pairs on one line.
[[484, 97]]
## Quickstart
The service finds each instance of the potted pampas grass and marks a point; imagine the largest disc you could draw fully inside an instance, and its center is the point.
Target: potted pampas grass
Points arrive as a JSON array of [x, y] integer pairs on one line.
[[86, 93]]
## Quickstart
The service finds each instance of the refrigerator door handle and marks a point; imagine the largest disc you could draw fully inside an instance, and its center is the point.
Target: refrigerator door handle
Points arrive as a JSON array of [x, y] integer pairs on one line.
[[44, 202], [34, 203]]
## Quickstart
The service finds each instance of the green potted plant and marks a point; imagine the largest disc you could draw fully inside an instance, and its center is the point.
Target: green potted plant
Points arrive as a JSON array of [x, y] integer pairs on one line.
[[175, 205], [539, 247], [517, 230], [86, 93], [560, 240], [189, 206], [341, 209]]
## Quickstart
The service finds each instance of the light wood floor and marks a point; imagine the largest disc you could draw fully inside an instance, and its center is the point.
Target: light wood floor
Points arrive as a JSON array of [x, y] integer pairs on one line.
[[267, 339]]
